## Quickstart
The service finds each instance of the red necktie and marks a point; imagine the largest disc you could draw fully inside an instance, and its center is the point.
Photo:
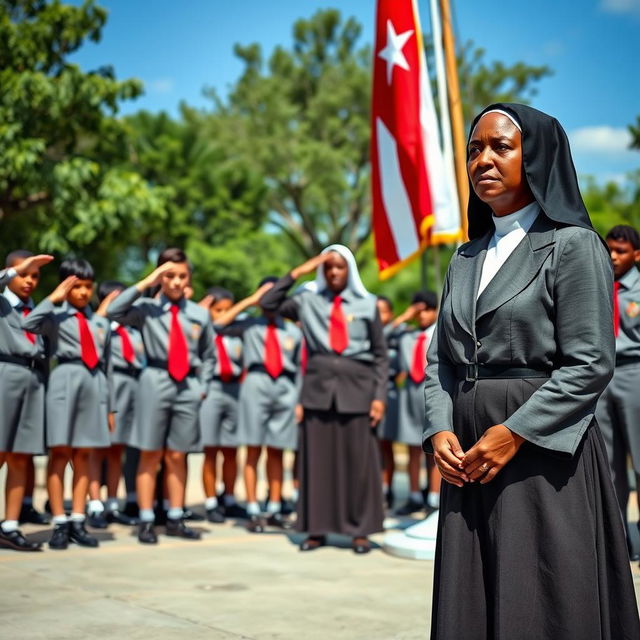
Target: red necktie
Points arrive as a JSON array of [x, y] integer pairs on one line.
[[419, 359], [88, 352], [616, 309], [226, 371], [304, 356], [127, 348], [272, 353], [30, 336], [178, 355], [338, 333]]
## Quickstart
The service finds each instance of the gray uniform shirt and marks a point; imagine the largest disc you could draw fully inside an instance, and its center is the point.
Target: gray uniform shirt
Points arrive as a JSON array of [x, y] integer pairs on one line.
[[116, 348], [234, 348], [13, 341], [628, 339], [152, 316], [406, 346], [548, 307]]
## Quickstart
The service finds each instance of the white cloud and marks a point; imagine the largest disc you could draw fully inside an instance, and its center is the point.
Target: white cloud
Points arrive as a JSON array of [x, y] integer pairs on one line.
[[620, 6], [601, 139], [161, 85]]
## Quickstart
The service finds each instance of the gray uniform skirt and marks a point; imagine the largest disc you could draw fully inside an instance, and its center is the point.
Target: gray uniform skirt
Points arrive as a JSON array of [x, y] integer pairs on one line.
[[267, 411], [76, 407], [125, 389], [219, 415], [539, 552], [21, 409], [339, 472], [410, 413]]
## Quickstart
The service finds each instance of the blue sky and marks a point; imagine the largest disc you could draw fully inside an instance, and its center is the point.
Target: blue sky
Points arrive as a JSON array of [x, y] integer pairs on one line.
[[593, 47]]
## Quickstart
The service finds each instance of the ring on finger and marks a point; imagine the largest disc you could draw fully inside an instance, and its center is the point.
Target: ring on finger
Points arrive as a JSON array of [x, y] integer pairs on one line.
[[484, 468]]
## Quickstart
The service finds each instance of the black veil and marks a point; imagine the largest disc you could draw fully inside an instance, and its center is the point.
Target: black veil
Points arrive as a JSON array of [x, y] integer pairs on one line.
[[548, 167]]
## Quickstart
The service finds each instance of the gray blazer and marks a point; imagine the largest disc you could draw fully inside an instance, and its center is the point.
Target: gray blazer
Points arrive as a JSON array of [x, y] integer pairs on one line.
[[548, 307]]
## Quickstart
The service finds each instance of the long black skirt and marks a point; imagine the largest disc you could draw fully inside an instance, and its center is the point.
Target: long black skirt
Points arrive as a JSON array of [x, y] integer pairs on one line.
[[339, 471], [539, 553]]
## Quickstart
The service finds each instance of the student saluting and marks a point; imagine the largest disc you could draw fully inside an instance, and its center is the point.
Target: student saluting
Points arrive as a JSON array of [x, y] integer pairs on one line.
[[178, 341], [343, 397]]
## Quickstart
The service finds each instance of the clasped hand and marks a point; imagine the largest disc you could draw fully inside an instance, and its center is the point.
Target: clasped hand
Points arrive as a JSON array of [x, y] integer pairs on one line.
[[482, 462]]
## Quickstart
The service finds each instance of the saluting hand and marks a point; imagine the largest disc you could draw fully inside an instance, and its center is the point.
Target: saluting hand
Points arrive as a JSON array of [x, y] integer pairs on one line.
[[309, 266], [376, 412], [207, 301], [491, 453], [59, 294], [104, 305], [448, 456], [33, 262], [256, 296], [155, 277]]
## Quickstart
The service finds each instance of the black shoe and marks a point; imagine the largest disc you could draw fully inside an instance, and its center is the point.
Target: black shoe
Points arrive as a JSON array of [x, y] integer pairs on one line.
[[215, 515], [360, 546], [132, 510], [79, 535], [60, 536], [235, 511], [30, 515], [15, 540], [146, 533], [118, 517], [287, 507], [389, 499], [178, 529], [410, 507], [312, 543], [278, 520], [192, 515], [256, 524], [97, 520]]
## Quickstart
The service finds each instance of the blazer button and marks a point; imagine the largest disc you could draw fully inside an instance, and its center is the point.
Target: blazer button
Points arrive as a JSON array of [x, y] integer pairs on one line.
[[478, 344]]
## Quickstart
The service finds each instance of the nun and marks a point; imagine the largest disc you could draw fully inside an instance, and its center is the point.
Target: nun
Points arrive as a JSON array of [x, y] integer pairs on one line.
[[530, 541], [343, 398]]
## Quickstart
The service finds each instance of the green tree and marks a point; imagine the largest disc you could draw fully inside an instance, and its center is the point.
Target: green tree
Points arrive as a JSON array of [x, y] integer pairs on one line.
[[634, 129], [60, 189]]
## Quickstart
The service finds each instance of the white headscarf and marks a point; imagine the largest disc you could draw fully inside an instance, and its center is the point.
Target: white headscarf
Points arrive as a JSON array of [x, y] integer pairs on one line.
[[504, 113], [354, 283]]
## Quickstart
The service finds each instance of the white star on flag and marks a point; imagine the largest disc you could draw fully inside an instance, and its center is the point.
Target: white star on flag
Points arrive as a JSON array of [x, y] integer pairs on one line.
[[392, 53]]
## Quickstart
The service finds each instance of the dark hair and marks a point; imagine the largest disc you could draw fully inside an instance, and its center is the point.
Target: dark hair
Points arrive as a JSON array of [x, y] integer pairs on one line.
[[14, 256], [107, 287], [429, 298], [625, 233], [387, 301], [268, 279], [172, 254], [220, 293], [76, 267]]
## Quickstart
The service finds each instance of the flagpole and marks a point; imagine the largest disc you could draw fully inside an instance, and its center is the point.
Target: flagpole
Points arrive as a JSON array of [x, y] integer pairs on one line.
[[455, 109]]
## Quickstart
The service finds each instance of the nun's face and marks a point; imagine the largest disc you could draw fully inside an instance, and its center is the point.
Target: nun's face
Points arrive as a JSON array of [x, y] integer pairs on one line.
[[495, 167], [336, 272]]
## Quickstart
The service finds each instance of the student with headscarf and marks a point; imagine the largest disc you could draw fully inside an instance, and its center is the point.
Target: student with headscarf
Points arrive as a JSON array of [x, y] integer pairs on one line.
[[343, 397], [530, 542]]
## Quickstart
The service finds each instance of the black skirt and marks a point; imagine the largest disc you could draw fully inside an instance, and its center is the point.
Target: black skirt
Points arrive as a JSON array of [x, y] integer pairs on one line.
[[339, 471], [539, 553]]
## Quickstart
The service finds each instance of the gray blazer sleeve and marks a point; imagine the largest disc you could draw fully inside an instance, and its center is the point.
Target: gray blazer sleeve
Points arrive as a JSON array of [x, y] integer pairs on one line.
[[276, 300], [381, 362], [207, 353], [6, 275], [439, 385], [123, 310], [557, 414], [42, 319]]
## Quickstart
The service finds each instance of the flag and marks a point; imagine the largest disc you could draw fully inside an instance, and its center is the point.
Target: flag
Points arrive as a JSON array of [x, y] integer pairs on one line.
[[414, 202]]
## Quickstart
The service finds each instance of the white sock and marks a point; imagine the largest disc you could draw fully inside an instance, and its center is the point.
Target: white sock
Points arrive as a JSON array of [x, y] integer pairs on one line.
[[77, 517], [9, 525], [229, 499], [253, 508], [147, 515], [273, 507], [113, 504], [27, 501], [210, 503], [95, 506], [60, 519], [294, 494], [415, 496], [433, 500], [174, 513]]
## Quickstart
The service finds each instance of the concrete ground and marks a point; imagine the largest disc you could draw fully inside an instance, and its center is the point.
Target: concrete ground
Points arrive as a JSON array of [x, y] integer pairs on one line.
[[231, 584]]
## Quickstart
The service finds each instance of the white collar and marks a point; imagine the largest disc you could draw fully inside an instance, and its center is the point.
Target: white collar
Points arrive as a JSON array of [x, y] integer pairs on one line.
[[521, 219], [15, 301]]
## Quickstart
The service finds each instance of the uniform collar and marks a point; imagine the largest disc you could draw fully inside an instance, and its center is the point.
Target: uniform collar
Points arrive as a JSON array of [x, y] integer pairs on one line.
[[521, 219], [166, 304], [346, 295], [87, 311], [630, 278], [15, 301]]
